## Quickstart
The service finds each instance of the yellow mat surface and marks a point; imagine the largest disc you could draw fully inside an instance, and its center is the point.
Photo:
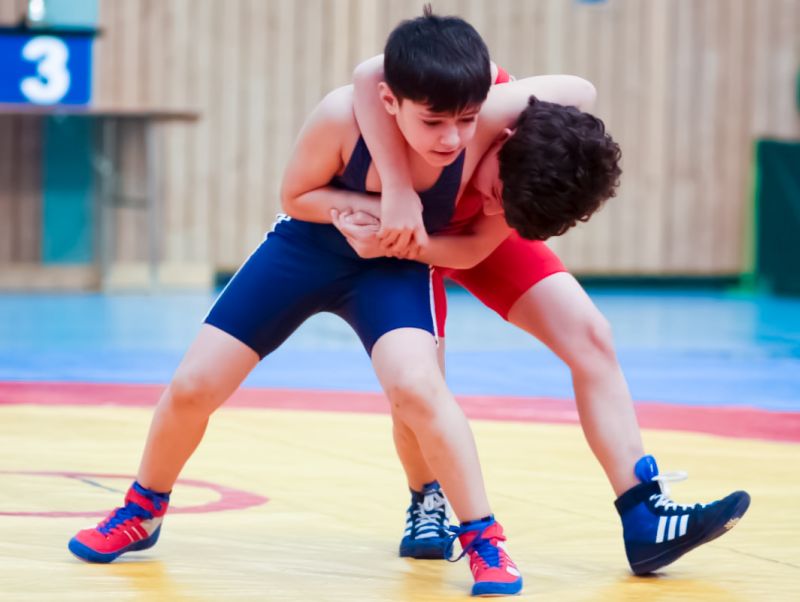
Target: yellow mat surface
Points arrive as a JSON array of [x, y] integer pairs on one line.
[[335, 512]]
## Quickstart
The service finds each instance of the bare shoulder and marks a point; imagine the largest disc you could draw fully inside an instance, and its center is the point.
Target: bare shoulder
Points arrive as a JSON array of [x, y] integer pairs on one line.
[[334, 118], [335, 110]]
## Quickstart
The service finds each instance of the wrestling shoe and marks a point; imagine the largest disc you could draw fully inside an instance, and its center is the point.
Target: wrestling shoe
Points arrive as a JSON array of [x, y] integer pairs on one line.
[[135, 526], [494, 572], [657, 531], [427, 533]]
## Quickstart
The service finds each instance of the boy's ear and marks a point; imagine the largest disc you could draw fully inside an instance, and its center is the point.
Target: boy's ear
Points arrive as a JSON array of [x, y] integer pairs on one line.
[[500, 140], [505, 135], [389, 100]]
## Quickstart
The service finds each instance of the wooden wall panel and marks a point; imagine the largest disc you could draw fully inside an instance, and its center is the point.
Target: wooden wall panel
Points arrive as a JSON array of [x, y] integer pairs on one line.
[[20, 174], [11, 11], [20, 189], [130, 239], [7, 213], [177, 185], [685, 86], [28, 194]]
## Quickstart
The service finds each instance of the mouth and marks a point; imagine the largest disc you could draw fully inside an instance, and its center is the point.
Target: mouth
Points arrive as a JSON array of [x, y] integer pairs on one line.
[[445, 154]]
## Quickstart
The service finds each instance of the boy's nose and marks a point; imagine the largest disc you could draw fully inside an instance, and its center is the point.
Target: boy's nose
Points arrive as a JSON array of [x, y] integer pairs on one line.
[[450, 139]]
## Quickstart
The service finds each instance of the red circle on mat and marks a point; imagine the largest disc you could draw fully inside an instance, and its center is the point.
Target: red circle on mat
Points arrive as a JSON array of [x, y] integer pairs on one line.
[[229, 498]]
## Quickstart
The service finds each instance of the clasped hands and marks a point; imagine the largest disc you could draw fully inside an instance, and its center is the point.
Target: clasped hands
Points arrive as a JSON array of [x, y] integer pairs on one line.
[[398, 232]]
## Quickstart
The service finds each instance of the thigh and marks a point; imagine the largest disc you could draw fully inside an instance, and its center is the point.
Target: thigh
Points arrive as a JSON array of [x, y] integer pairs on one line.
[[559, 313], [282, 283], [387, 295], [214, 366], [509, 272]]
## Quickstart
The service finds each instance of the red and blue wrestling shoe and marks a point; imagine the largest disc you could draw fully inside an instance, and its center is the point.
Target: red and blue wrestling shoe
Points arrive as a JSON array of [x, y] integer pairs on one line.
[[494, 572], [658, 531], [427, 534], [135, 526]]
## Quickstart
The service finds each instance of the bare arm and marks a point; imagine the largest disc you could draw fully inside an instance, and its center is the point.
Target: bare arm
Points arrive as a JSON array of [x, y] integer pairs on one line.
[[316, 158], [459, 251], [383, 138], [463, 251], [385, 142], [402, 230], [502, 107], [506, 102]]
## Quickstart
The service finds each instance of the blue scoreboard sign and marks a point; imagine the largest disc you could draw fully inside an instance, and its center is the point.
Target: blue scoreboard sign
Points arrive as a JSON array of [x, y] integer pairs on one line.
[[45, 68]]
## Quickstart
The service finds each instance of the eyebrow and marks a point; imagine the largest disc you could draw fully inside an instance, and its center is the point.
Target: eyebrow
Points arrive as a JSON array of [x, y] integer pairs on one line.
[[428, 115]]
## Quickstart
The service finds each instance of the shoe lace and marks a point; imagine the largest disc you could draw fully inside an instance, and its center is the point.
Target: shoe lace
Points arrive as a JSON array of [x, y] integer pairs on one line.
[[488, 552], [663, 499], [431, 511], [121, 515]]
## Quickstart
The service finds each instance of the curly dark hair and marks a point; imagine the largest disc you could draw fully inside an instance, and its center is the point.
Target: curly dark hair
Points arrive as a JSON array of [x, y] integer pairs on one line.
[[557, 169]]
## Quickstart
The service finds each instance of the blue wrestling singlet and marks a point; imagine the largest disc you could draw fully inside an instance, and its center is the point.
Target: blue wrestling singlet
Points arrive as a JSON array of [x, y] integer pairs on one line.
[[303, 268]]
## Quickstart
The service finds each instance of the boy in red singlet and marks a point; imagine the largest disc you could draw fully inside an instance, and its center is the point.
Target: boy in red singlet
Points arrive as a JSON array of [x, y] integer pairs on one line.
[[554, 167]]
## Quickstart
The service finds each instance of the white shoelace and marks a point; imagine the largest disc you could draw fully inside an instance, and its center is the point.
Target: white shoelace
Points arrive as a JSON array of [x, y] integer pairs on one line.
[[427, 515], [663, 498]]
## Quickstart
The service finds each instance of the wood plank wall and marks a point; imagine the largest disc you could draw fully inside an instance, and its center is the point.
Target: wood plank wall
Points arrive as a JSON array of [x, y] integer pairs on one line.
[[685, 87], [20, 177]]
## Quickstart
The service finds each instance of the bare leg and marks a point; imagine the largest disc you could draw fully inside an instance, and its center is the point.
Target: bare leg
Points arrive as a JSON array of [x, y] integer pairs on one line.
[[558, 312], [418, 473], [212, 369], [406, 364]]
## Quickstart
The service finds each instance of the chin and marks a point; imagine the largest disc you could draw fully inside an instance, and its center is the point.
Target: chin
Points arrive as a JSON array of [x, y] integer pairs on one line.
[[437, 159]]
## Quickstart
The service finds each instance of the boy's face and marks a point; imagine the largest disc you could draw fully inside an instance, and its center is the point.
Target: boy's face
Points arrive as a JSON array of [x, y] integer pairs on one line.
[[437, 137]]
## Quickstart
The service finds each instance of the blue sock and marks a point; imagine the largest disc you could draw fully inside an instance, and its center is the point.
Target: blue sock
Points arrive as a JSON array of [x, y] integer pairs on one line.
[[163, 497]]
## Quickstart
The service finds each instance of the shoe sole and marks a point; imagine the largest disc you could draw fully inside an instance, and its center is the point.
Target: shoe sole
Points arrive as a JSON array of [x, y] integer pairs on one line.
[[87, 554], [493, 589], [650, 565], [434, 555], [436, 549]]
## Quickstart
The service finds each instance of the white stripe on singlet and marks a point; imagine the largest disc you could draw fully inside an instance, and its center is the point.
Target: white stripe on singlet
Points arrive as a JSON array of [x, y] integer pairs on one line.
[[432, 297]]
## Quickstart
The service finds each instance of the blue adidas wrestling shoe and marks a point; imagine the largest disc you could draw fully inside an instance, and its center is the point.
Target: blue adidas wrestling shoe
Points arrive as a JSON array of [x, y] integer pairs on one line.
[[427, 534], [658, 531]]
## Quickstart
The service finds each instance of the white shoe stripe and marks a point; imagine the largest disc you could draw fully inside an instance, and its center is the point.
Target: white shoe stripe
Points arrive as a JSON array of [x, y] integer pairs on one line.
[[673, 524], [662, 523], [150, 525], [684, 524]]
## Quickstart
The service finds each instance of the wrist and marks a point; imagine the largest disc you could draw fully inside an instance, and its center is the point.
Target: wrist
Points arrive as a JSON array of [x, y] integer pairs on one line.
[[396, 180], [373, 207]]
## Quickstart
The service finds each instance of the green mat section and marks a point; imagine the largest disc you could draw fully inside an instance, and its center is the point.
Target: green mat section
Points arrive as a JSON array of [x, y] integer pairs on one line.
[[777, 200]]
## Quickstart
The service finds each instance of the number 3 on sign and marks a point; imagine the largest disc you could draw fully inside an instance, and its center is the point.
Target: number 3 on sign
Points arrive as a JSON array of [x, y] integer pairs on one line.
[[51, 82]]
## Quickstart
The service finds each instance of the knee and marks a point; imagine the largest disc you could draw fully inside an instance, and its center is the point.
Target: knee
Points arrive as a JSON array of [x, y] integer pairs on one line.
[[414, 393], [595, 346], [190, 393]]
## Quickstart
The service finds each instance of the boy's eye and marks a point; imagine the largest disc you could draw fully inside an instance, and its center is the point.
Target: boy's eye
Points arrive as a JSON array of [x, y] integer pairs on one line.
[[467, 119], [430, 123]]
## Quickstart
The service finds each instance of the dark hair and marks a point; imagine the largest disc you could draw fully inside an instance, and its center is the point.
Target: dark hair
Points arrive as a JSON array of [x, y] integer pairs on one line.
[[557, 169], [439, 61]]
